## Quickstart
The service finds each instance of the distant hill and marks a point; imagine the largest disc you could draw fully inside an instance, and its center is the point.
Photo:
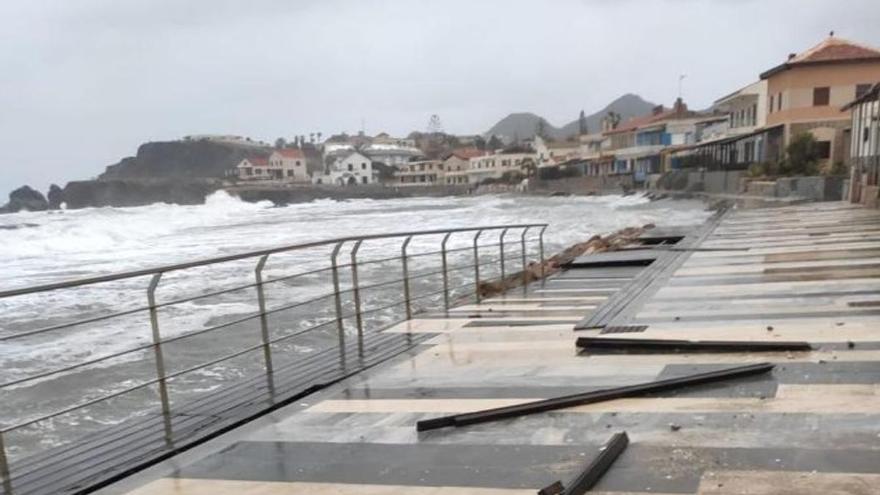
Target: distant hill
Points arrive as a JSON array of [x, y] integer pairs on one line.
[[523, 125]]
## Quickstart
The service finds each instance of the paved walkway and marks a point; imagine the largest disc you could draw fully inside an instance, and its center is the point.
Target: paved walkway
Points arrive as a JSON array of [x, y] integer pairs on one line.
[[808, 272]]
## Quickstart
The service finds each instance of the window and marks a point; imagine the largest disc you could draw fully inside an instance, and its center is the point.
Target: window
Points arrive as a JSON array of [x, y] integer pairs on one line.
[[779, 102], [821, 96], [861, 89], [363, 180], [866, 134], [290, 173], [363, 165], [297, 163], [248, 171], [771, 104], [823, 149], [350, 167]]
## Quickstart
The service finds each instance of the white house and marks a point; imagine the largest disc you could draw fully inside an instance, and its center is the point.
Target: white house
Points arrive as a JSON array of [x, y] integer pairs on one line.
[[352, 169], [254, 168], [287, 165], [292, 164]]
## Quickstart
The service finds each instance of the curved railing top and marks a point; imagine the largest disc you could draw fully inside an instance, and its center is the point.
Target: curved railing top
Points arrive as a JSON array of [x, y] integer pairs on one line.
[[250, 254]]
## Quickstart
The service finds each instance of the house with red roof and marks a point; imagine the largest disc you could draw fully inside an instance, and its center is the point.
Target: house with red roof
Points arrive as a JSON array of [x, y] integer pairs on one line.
[[808, 93], [457, 165], [286, 165]]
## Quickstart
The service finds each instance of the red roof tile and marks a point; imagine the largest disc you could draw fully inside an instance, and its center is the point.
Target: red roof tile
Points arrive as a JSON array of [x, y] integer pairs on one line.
[[830, 50], [835, 49], [258, 161], [291, 153], [467, 153]]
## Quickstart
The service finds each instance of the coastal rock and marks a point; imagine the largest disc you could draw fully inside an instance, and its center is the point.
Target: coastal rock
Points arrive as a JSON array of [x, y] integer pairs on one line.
[[55, 197], [25, 198], [97, 193], [191, 159]]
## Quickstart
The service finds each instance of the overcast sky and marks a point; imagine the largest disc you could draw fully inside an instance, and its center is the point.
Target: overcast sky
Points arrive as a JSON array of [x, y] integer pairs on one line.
[[84, 82]]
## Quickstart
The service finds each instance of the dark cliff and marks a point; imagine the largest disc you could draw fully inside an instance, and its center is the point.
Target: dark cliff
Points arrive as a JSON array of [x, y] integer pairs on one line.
[[191, 159], [134, 192]]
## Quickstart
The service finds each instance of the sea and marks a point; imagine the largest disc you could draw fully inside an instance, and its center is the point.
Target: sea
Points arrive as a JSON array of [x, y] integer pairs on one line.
[[46, 247]]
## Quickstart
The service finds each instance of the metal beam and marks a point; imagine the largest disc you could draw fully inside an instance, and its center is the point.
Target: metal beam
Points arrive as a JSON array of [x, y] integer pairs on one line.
[[587, 479], [545, 405], [647, 346]]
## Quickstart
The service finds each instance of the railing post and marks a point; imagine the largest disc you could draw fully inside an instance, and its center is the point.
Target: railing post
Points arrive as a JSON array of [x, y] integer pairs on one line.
[[356, 293], [522, 240], [4, 468], [160, 359], [445, 274], [406, 295], [264, 324], [541, 252], [501, 239], [340, 328], [477, 266]]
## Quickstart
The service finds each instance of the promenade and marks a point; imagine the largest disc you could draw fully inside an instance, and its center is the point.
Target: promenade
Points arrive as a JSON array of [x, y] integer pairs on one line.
[[807, 273]]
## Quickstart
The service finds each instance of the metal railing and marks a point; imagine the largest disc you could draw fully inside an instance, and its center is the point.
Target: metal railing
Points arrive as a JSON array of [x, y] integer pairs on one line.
[[423, 286]]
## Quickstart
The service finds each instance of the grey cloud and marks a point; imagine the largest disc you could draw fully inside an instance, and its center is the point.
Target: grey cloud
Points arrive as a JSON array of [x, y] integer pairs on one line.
[[83, 83]]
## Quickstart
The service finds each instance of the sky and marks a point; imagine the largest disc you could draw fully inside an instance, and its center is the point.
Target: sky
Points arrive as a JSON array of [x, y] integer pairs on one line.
[[84, 82]]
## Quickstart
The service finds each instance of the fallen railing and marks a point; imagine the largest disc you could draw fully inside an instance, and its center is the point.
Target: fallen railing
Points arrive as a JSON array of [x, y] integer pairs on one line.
[[358, 301]]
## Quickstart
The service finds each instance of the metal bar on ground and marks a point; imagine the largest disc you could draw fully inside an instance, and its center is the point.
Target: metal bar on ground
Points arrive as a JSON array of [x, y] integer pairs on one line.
[[264, 323], [587, 479], [639, 346], [356, 295], [545, 405], [159, 357]]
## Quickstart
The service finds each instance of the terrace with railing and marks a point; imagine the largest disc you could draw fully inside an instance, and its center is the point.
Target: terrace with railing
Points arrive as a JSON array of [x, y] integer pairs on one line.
[[183, 352]]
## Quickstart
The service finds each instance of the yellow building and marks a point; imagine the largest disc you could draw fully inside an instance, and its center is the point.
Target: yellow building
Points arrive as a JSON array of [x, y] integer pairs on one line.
[[806, 93]]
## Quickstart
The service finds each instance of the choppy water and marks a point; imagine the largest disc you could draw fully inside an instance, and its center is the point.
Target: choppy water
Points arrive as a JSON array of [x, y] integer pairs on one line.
[[39, 248]]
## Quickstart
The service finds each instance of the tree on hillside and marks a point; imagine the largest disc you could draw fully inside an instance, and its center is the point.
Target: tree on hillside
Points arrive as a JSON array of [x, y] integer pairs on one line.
[[494, 143], [280, 143], [541, 129], [613, 118], [802, 156], [319, 137], [582, 124], [480, 143]]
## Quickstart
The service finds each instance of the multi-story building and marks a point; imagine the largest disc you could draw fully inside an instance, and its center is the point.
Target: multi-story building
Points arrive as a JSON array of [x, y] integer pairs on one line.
[[457, 167], [420, 173], [393, 154], [805, 94], [639, 143], [808, 92], [351, 169], [287, 164], [496, 165], [549, 153]]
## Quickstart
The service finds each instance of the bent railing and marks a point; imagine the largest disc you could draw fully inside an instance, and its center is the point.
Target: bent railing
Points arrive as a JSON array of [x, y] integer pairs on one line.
[[294, 310]]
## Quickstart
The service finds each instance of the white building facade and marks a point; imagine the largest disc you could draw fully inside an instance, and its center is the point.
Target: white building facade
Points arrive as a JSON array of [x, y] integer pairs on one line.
[[351, 169]]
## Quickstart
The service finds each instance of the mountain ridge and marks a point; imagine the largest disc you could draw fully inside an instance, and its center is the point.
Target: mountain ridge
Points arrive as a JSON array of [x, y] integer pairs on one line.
[[522, 125]]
